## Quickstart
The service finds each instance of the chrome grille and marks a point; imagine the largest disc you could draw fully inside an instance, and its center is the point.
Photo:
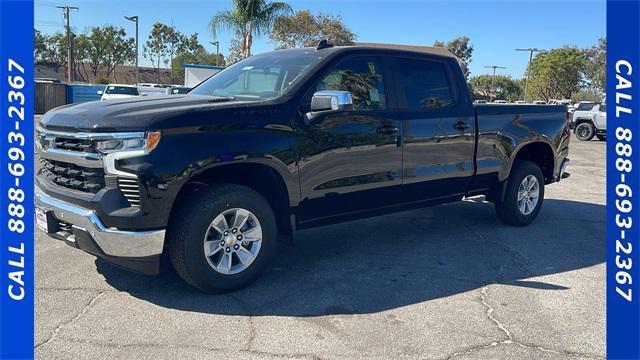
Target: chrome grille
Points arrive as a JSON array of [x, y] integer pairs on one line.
[[73, 176], [130, 189]]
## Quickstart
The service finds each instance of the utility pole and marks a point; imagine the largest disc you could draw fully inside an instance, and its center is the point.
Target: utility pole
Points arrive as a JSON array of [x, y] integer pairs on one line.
[[217, 45], [65, 12], [493, 78], [526, 81], [135, 19]]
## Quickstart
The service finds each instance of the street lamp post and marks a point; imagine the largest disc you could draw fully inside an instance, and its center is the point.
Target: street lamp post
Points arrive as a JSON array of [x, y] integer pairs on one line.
[[526, 81], [135, 19], [217, 45], [493, 79]]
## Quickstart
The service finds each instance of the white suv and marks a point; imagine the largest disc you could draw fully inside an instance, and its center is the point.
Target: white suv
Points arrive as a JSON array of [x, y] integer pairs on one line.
[[589, 120]]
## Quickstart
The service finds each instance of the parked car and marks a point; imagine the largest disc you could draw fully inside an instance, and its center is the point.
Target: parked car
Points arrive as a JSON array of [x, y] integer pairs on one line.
[[520, 102], [539, 102], [280, 142], [589, 120], [480, 101], [118, 91], [500, 101], [147, 91], [177, 90]]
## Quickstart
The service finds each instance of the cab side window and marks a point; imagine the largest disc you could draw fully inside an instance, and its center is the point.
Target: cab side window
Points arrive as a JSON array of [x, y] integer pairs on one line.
[[362, 77], [425, 84]]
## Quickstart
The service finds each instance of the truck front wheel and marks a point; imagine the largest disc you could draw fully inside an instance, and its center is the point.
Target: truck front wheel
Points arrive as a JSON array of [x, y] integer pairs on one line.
[[221, 237], [523, 195]]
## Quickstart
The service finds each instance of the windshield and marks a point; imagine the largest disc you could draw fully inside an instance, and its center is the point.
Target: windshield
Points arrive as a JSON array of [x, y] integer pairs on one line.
[[259, 77], [121, 90]]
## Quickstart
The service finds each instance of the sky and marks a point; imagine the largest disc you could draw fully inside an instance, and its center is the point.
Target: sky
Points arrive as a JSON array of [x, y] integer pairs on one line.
[[496, 28]]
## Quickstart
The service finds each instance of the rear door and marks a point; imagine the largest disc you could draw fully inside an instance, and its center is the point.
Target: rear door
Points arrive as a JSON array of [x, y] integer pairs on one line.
[[351, 160], [439, 129]]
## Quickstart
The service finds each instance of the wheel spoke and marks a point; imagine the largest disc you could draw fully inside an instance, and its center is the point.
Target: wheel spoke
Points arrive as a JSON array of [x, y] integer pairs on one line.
[[245, 256], [220, 224], [240, 218], [225, 263], [211, 248], [521, 206], [253, 232]]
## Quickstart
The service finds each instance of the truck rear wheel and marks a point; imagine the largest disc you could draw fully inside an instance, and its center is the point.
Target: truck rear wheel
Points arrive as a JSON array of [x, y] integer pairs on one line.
[[585, 131], [523, 196], [222, 237]]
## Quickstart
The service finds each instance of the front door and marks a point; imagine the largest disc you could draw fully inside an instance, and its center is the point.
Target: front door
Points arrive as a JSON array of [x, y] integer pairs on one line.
[[351, 160]]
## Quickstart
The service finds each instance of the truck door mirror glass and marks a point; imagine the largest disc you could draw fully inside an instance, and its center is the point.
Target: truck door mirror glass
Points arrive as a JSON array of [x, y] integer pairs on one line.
[[99, 92]]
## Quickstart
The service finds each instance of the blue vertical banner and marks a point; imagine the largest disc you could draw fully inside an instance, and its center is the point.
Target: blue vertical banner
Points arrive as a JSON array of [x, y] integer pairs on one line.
[[623, 181], [16, 179]]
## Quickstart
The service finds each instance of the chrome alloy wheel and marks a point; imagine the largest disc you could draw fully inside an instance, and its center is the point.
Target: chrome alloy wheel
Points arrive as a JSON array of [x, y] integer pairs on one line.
[[528, 194], [233, 241]]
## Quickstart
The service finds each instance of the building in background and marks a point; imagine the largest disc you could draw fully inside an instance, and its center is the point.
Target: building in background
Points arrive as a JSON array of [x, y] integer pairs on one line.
[[195, 74]]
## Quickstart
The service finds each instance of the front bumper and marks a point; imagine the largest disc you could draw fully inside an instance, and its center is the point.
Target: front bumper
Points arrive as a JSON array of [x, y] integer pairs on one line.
[[81, 228]]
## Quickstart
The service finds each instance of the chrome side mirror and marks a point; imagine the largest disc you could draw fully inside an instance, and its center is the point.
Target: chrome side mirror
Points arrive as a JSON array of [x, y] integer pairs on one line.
[[331, 100]]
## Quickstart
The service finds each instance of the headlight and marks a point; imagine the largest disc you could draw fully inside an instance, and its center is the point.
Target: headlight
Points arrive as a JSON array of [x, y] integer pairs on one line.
[[146, 144]]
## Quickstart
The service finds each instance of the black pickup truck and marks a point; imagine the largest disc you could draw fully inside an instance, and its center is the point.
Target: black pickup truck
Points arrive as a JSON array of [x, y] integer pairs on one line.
[[283, 141]]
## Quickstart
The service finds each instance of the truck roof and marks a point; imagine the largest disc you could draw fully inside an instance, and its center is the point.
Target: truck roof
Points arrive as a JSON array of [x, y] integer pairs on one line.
[[432, 50]]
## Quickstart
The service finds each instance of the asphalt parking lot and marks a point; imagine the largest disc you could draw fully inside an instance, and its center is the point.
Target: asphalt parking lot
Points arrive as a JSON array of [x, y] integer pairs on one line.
[[437, 283]]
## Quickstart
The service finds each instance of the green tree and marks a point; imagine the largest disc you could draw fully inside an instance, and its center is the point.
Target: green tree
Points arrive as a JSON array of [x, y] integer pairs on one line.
[[235, 51], [120, 50], [155, 49], [461, 48], [248, 17], [39, 44], [596, 65], [192, 52], [305, 29], [586, 95], [504, 87], [162, 45], [556, 74]]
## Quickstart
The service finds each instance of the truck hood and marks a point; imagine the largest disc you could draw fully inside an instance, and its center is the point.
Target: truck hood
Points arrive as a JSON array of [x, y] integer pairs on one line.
[[131, 114]]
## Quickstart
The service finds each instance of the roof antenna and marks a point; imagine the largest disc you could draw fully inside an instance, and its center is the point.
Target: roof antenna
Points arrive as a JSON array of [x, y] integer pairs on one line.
[[323, 44]]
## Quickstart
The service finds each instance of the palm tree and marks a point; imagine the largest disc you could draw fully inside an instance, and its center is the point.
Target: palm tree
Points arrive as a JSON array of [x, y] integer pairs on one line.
[[248, 17]]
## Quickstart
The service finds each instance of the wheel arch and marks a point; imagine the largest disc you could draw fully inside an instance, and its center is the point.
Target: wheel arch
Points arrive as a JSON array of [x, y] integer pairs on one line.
[[260, 175], [539, 152]]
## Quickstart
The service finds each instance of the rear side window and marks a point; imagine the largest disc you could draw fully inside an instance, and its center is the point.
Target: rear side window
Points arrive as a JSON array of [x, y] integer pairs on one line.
[[425, 84], [362, 77]]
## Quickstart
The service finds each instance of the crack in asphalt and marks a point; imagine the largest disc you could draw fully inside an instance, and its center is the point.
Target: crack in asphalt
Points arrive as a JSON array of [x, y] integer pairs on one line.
[[522, 263], [252, 330], [509, 337], [79, 315]]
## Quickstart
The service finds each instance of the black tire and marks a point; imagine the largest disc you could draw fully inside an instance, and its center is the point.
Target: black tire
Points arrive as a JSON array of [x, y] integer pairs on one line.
[[602, 137], [190, 223], [585, 131], [507, 210]]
